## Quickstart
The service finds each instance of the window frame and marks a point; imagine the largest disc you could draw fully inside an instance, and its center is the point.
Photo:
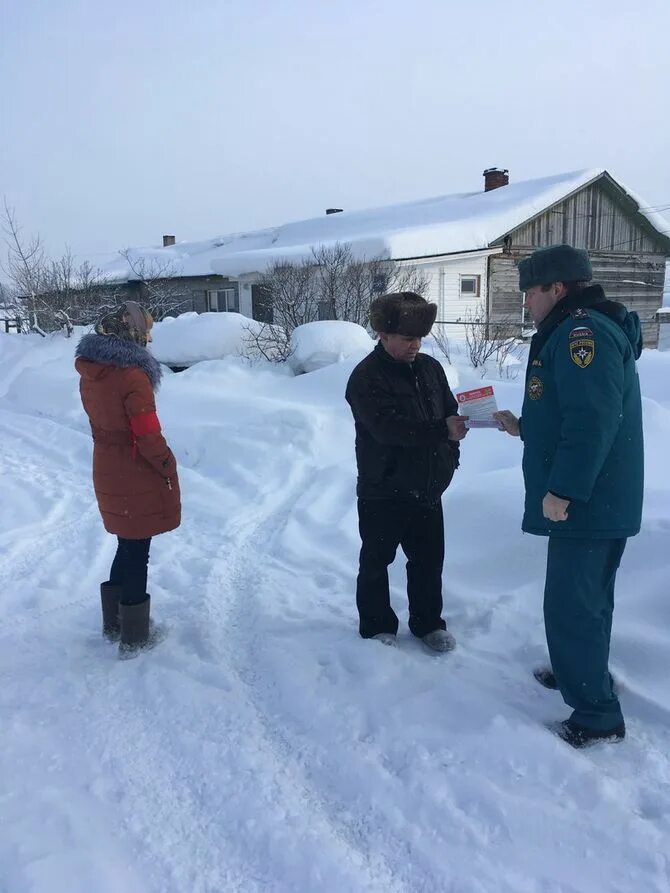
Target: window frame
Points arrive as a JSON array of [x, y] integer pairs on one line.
[[226, 299], [476, 278]]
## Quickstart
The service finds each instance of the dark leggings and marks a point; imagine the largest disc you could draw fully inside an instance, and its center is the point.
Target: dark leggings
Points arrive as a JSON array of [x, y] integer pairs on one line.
[[129, 570]]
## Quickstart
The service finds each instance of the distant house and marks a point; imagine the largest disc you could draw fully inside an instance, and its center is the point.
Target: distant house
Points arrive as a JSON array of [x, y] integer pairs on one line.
[[467, 245]]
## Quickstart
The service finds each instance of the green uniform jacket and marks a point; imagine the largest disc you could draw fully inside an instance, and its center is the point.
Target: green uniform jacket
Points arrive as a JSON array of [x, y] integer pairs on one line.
[[582, 419]]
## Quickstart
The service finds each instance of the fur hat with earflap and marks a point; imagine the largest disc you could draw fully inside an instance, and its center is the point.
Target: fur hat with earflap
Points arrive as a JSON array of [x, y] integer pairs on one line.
[[558, 263], [402, 313], [130, 321]]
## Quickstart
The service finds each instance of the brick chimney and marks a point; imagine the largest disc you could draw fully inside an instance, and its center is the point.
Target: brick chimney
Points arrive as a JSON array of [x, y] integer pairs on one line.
[[494, 178], [168, 240], [334, 210]]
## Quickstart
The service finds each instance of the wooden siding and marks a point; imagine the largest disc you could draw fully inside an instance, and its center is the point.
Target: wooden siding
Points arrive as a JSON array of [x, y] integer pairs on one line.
[[635, 280], [505, 299], [590, 219], [627, 255]]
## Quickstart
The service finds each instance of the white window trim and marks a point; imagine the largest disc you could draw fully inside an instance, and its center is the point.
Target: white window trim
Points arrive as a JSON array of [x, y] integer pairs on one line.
[[477, 293], [219, 295]]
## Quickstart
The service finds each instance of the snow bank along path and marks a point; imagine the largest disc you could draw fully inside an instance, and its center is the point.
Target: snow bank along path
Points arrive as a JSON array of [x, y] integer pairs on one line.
[[264, 746]]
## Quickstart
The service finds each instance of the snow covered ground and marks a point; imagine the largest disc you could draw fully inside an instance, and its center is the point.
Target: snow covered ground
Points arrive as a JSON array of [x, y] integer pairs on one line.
[[264, 746]]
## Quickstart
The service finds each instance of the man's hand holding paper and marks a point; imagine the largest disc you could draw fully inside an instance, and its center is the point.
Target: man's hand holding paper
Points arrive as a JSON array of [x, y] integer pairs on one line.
[[457, 426]]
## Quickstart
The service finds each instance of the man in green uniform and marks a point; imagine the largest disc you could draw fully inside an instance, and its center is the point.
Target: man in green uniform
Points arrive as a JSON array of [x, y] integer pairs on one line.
[[581, 425]]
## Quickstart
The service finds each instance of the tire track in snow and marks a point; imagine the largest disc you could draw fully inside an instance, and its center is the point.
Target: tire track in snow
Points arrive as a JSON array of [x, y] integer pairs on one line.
[[265, 778], [162, 802], [147, 755], [180, 773], [242, 576], [40, 552]]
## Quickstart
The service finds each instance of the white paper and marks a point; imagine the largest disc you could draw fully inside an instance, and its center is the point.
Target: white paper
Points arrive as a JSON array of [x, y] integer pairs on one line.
[[479, 404]]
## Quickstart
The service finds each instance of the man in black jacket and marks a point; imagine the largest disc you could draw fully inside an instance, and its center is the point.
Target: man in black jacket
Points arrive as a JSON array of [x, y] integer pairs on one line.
[[407, 433]]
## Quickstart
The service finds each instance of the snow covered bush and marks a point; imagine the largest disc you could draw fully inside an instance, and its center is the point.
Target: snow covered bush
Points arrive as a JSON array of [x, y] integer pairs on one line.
[[319, 344], [193, 337]]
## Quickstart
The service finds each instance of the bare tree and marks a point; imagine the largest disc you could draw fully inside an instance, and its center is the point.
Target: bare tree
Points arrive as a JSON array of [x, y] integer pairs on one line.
[[24, 264], [510, 349], [159, 292], [330, 284], [76, 294], [441, 339], [347, 285], [12, 312], [54, 294], [490, 340], [93, 294], [267, 341], [294, 299]]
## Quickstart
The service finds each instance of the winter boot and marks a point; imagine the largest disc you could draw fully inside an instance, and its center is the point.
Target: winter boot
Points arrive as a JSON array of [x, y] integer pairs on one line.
[[439, 640], [109, 596], [579, 736], [387, 639], [135, 627]]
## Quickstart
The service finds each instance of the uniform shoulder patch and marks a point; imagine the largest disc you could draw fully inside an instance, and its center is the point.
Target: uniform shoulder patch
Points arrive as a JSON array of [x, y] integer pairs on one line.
[[535, 388], [579, 313], [581, 332], [582, 351]]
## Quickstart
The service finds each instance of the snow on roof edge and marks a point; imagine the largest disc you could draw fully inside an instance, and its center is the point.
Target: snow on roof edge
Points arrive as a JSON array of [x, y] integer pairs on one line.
[[445, 224]]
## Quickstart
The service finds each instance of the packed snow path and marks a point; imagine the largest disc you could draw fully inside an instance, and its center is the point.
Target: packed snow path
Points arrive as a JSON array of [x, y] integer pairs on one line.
[[263, 746]]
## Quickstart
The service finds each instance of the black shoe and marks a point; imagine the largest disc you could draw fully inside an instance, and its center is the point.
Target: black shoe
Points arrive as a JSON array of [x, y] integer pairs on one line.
[[546, 677], [579, 736]]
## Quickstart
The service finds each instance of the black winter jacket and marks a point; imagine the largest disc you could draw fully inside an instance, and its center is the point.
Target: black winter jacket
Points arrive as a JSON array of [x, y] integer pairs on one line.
[[402, 441]]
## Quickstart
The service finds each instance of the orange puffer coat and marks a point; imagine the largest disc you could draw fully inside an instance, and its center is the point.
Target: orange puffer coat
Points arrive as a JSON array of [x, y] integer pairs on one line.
[[134, 470]]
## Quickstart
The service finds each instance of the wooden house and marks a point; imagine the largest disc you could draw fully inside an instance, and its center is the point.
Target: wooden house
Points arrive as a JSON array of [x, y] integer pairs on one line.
[[467, 245]]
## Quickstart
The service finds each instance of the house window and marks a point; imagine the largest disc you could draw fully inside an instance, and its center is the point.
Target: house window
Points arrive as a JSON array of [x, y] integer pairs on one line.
[[470, 286], [223, 300]]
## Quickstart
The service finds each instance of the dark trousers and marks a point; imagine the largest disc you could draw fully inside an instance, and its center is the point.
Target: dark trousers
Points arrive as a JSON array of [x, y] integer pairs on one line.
[[129, 570], [578, 606], [385, 524]]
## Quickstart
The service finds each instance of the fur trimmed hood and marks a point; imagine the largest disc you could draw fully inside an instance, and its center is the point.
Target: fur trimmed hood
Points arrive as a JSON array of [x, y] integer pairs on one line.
[[110, 350], [402, 313]]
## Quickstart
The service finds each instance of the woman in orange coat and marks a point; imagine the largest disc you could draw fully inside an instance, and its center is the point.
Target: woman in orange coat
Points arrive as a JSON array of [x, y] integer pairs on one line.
[[134, 470]]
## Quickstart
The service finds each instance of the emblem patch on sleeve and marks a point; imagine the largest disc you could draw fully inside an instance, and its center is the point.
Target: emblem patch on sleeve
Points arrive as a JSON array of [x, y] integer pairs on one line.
[[582, 351], [535, 388]]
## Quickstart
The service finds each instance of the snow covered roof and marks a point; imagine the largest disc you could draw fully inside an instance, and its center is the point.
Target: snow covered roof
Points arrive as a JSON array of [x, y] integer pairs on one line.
[[444, 225]]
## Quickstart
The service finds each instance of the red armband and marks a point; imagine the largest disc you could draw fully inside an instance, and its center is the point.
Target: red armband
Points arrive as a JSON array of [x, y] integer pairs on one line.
[[145, 423]]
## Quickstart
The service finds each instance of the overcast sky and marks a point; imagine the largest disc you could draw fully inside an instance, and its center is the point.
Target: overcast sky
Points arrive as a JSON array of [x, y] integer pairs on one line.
[[125, 120]]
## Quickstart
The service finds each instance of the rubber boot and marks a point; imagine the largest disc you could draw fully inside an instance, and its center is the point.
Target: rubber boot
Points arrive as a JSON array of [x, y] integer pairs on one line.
[[109, 597], [135, 627]]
